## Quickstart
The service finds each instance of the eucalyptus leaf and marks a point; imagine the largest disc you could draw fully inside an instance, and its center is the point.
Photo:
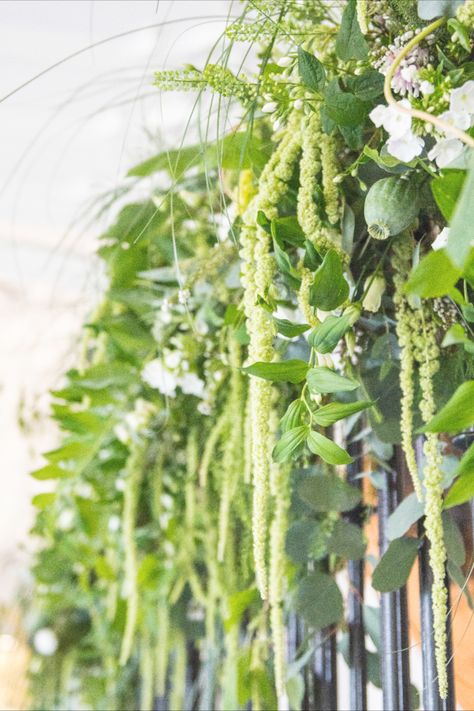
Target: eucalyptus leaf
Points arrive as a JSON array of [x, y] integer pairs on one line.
[[300, 540], [405, 515], [394, 567], [453, 540], [347, 540], [319, 600], [327, 492]]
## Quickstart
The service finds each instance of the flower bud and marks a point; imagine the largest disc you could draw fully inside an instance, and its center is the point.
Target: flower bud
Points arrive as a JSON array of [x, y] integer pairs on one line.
[[375, 286]]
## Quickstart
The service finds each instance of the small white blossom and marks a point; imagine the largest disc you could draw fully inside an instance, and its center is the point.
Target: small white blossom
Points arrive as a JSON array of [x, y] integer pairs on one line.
[[426, 88], [285, 62], [446, 151], [183, 296], [191, 384], [120, 484], [375, 286], [462, 99], [66, 520], [45, 642], [396, 123], [157, 376], [406, 147], [270, 107], [298, 104], [204, 408], [442, 239], [460, 120], [114, 524], [172, 359]]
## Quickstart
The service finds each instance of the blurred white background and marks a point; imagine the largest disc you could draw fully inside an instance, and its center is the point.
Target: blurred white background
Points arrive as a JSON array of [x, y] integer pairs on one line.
[[66, 138]]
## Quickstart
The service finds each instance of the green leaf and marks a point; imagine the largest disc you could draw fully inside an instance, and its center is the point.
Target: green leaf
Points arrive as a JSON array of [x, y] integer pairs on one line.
[[327, 449], [394, 567], [457, 414], [367, 86], [287, 229], [293, 415], [457, 27], [295, 688], [466, 465], [329, 289], [326, 335], [456, 574], [456, 335], [289, 329], [300, 540], [446, 190], [325, 380], [319, 600], [43, 501], [460, 231], [350, 42], [461, 491], [238, 603], [285, 371], [332, 412], [434, 276], [453, 540], [327, 492], [342, 107], [404, 516], [289, 443], [312, 72], [347, 540]]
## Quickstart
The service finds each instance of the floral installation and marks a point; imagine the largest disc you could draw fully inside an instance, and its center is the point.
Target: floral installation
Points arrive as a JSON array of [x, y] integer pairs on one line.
[[282, 316]]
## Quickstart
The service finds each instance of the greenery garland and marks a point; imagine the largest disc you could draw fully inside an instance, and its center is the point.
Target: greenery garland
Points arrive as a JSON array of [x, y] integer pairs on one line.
[[250, 316]]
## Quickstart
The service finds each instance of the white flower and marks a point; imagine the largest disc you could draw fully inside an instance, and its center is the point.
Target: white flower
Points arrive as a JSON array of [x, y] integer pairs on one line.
[[157, 376], [406, 147], [120, 484], [298, 104], [446, 151], [172, 359], [396, 123], [183, 296], [45, 642], [204, 408], [66, 519], [375, 286], [461, 120], [114, 523], [426, 88], [285, 62], [122, 433], [192, 385], [270, 107], [442, 239], [462, 99], [84, 490], [409, 73]]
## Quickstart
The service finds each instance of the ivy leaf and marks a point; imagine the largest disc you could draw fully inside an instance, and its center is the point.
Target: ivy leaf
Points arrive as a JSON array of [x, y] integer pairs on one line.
[[457, 414], [329, 289], [319, 600], [347, 540], [312, 72], [325, 380], [286, 371], [404, 516], [350, 42], [289, 329], [453, 540], [327, 449], [327, 492], [289, 443], [332, 412], [342, 107], [394, 567], [446, 189], [434, 276], [293, 415], [326, 335]]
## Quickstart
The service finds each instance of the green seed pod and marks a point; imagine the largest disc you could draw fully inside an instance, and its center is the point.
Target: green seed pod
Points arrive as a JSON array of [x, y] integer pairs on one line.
[[391, 205]]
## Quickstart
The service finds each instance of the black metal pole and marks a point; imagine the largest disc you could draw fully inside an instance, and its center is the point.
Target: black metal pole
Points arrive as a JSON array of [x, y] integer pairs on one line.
[[325, 670], [355, 602], [431, 698], [393, 606]]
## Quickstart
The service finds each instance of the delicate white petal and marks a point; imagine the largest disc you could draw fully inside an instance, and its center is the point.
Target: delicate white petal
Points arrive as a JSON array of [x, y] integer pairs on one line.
[[378, 115], [157, 376], [446, 151], [461, 120], [462, 99], [405, 148], [191, 384], [442, 239], [285, 62], [270, 107], [426, 88], [45, 642]]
